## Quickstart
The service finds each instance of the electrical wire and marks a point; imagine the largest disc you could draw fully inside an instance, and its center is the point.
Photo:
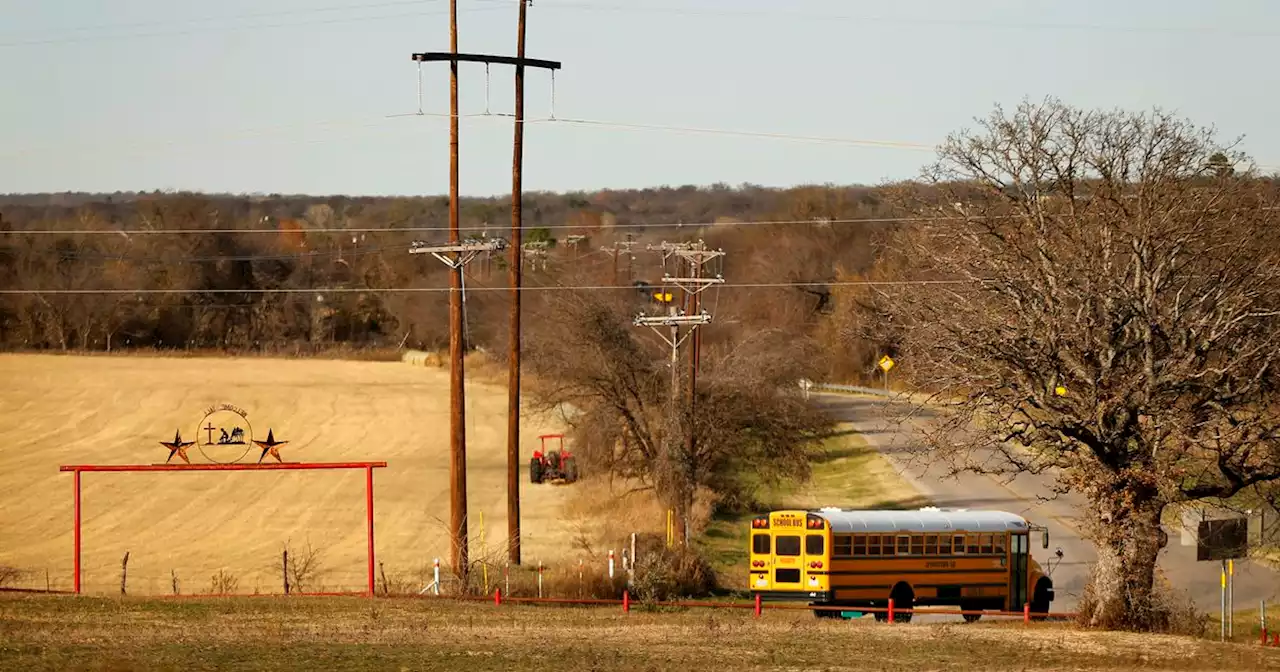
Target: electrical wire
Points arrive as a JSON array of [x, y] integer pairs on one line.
[[774, 15], [474, 228], [491, 5], [817, 221], [440, 290]]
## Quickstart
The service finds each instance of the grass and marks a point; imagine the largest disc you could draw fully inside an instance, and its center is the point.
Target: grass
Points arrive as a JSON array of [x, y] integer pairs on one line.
[[60, 633], [847, 473]]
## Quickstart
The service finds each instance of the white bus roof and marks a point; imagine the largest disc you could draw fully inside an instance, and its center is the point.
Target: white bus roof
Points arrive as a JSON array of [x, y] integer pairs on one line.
[[923, 520]]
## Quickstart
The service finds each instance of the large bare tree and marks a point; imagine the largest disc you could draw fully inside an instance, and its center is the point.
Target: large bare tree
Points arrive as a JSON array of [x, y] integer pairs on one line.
[[1112, 317]]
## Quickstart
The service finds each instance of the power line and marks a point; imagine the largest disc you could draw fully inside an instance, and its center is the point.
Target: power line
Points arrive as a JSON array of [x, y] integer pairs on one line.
[[236, 17], [813, 221], [480, 228], [908, 21], [440, 290], [252, 26]]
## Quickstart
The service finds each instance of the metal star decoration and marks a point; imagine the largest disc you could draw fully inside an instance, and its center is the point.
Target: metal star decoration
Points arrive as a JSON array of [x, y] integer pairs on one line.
[[177, 447], [270, 446]]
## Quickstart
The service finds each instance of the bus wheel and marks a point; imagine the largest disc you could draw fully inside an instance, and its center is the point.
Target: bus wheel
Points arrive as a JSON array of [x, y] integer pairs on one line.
[[826, 613], [903, 598], [971, 618], [1040, 604]]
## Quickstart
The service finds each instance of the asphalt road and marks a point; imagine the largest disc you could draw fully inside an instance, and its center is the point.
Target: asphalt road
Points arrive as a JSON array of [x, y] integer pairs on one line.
[[895, 440]]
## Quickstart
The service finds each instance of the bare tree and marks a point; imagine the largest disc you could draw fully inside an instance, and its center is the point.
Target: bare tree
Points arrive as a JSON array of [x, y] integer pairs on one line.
[[1113, 320], [751, 423]]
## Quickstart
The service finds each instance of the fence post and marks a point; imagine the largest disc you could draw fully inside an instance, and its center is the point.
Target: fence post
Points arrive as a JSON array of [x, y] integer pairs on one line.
[[611, 563], [497, 597], [759, 606], [437, 577], [539, 579], [1026, 612], [626, 602], [891, 610]]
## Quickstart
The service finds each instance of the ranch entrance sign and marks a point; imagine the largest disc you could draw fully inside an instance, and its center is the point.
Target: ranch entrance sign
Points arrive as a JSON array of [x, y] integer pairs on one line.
[[225, 439]]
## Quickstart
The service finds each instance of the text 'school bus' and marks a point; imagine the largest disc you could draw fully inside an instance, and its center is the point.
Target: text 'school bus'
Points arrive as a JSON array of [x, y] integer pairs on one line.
[[974, 560]]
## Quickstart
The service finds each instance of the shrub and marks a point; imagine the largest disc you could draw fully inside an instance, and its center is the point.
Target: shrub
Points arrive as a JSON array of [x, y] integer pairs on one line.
[[666, 574]]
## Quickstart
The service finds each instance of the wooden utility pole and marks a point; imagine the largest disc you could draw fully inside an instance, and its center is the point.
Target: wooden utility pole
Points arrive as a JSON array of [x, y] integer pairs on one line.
[[456, 254], [457, 392], [696, 256], [517, 257]]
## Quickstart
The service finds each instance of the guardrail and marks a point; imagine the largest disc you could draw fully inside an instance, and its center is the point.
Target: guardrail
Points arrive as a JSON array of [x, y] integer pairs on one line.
[[856, 389]]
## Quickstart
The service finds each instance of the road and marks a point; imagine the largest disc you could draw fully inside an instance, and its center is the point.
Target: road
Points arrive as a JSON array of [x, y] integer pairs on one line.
[[896, 439]]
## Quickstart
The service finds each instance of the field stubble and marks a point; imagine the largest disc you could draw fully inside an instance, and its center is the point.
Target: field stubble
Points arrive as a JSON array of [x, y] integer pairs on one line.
[[357, 633]]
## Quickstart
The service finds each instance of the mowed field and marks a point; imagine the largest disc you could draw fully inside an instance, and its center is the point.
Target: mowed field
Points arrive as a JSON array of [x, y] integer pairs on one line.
[[356, 633], [115, 410]]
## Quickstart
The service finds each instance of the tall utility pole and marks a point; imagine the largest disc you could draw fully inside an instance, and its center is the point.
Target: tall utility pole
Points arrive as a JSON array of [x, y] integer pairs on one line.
[[461, 253], [457, 393], [517, 256], [695, 255]]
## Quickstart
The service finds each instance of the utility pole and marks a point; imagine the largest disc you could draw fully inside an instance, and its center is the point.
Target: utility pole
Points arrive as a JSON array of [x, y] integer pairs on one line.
[[695, 255], [619, 248], [513, 360], [459, 253]]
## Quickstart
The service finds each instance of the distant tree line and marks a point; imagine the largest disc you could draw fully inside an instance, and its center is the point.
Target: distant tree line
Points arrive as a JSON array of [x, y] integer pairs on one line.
[[238, 289]]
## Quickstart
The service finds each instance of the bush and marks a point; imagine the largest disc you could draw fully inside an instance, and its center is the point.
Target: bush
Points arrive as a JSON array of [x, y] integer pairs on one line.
[[1175, 613], [666, 574]]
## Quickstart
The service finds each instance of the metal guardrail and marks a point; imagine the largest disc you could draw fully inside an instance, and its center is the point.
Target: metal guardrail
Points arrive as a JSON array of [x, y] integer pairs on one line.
[[856, 389]]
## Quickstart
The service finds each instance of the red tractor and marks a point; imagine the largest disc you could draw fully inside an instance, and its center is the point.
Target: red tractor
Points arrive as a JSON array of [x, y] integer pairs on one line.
[[553, 465]]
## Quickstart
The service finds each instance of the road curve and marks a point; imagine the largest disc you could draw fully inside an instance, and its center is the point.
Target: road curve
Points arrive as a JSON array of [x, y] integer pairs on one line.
[[895, 440]]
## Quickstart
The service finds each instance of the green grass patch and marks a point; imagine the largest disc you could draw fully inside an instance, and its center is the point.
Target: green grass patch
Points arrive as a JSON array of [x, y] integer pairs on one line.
[[846, 472]]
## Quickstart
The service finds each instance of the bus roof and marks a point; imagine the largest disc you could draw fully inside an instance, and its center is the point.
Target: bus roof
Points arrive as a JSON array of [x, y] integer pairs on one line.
[[923, 520]]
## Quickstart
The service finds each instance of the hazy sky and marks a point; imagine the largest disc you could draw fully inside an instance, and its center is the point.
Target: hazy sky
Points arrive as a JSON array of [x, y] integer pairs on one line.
[[293, 96]]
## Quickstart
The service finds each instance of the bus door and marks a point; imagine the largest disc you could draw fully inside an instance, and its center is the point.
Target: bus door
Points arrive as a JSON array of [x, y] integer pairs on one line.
[[815, 561], [1019, 551]]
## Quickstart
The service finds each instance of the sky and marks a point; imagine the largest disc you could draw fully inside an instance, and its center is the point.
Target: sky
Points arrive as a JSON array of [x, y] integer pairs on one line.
[[289, 96]]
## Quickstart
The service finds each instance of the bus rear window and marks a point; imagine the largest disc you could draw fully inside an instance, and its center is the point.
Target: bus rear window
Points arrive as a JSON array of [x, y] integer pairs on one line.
[[760, 544], [815, 544], [789, 545]]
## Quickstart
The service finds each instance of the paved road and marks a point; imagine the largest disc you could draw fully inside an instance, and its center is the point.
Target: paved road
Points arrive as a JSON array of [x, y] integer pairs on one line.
[[895, 440]]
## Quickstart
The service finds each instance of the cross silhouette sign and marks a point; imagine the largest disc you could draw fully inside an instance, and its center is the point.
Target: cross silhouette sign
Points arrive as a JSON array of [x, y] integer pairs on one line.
[[210, 429]]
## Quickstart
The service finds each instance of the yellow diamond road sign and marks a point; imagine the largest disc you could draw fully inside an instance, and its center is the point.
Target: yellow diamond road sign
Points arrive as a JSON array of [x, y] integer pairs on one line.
[[886, 363]]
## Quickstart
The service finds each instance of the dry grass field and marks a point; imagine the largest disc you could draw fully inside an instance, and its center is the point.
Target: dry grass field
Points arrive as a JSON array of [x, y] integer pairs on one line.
[[75, 409], [60, 633]]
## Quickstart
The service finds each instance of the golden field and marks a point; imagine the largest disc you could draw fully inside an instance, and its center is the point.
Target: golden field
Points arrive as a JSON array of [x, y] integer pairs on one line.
[[58, 410]]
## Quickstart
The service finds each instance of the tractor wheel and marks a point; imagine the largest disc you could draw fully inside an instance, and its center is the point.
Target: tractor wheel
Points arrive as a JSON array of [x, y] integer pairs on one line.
[[535, 471], [570, 469]]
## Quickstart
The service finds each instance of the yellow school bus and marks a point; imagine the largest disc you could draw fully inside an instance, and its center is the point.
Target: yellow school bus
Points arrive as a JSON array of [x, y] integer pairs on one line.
[[974, 560]]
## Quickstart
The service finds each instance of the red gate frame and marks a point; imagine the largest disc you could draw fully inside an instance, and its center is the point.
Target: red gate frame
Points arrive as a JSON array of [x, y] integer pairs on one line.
[[368, 467]]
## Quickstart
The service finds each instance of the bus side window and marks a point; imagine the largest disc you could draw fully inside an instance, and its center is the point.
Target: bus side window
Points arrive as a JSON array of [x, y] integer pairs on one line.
[[859, 544], [873, 544], [844, 546], [760, 544], [944, 545], [986, 544], [999, 544], [917, 544], [973, 545], [931, 544], [904, 545], [958, 546]]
